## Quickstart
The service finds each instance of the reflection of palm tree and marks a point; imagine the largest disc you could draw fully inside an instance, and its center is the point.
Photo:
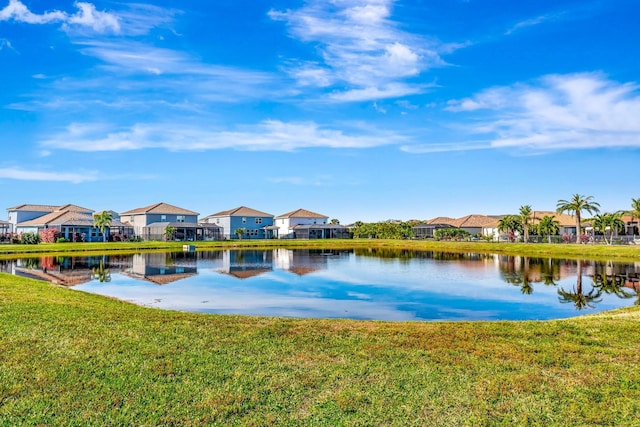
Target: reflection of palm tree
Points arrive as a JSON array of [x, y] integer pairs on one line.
[[579, 299], [611, 285], [101, 273]]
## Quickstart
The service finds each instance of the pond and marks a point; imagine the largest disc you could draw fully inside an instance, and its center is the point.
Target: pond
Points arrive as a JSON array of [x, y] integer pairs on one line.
[[395, 285]]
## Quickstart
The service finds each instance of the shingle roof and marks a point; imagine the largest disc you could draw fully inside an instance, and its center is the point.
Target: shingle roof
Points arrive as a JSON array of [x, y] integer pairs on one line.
[[160, 208], [302, 213], [49, 208], [59, 217], [240, 211]]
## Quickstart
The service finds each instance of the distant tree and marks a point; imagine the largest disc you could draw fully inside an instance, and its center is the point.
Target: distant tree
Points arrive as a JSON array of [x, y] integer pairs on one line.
[[334, 221], [525, 220], [548, 226], [102, 221]]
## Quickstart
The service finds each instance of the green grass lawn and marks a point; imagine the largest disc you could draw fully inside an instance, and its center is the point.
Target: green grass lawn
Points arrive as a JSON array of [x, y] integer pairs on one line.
[[71, 358]]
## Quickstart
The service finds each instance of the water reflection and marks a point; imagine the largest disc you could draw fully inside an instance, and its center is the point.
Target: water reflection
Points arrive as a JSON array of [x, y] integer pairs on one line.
[[377, 283]]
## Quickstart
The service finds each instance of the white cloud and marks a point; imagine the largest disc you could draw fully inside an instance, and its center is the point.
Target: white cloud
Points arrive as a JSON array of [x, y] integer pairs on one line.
[[271, 135], [87, 16], [27, 175], [574, 111], [18, 12], [363, 52]]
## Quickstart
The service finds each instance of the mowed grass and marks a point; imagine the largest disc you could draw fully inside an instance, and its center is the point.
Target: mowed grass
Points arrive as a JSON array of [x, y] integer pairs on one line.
[[71, 358]]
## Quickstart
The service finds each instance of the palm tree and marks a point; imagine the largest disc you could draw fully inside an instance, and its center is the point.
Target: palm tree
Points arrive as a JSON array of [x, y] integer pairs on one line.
[[575, 206], [334, 221], [509, 224], [525, 218], [635, 212], [102, 221], [548, 225], [608, 221]]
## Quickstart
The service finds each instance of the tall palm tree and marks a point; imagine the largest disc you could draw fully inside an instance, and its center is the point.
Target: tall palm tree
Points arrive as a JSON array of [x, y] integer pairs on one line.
[[102, 221], [548, 225], [525, 220], [575, 206]]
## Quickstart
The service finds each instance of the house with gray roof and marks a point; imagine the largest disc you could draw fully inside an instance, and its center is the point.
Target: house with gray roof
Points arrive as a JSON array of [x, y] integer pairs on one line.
[[254, 223], [72, 222], [151, 222], [305, 224]]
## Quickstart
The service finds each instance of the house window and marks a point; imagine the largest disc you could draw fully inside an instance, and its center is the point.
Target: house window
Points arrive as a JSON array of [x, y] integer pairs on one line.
[[217, 220], [258, 220], [244, 219], [163, 218], [180, 218]]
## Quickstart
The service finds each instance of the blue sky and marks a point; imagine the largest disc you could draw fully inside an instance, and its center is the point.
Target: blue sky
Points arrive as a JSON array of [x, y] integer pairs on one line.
[[358, 109]]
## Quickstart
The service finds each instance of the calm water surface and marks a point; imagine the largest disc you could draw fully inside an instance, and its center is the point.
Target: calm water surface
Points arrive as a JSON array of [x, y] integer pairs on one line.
[[358, 284]]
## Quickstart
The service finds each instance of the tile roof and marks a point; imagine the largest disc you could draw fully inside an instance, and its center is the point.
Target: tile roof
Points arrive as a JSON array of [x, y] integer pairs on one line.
[[160, 208], [240, 211], [475, 221], [562, 218], [441, 220], [302, 213]]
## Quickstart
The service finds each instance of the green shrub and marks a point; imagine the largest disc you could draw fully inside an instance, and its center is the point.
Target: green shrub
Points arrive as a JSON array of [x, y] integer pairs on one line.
[[30, 239], [62, 240]]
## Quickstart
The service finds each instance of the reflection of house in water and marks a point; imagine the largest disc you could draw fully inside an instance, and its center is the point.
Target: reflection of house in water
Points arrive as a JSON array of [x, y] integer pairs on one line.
[[303, 261], [65, 271], [245, 264], [163, 268]]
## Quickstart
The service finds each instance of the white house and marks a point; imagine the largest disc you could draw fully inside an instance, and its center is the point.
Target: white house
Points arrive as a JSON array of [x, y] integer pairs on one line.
[[286, 222]]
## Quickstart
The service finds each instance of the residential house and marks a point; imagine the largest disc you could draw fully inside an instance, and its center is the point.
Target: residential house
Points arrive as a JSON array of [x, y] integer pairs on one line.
[[567, 223], [304, 224], [426, 229], [6, 228], [152, 222], [254, 224], [72, 222]]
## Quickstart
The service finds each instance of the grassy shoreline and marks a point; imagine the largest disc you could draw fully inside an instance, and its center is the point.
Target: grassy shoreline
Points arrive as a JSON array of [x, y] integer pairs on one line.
[[572, 251], [71, 358]]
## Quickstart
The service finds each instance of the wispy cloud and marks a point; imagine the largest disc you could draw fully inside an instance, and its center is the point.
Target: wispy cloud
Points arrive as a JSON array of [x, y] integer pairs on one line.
[[363, 53], [87, 16], [31, 175], [533, 22], [272, 135], [6, 44], [574, 111]]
